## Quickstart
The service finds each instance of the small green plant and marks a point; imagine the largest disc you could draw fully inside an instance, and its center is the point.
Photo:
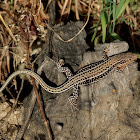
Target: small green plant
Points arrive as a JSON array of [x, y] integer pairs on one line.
[[110, 16]]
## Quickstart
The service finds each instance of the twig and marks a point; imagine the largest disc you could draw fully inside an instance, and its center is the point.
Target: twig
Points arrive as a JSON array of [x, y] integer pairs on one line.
[[37, 96], [21, 87], [15, 103], [10, 93], [35, 88], [30, 108], [46, 122], [76, 34], [28, 115], [64, 6], [11, 34]]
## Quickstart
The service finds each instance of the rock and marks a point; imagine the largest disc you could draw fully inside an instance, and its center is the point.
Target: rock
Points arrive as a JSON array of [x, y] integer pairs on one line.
[[108, 109]]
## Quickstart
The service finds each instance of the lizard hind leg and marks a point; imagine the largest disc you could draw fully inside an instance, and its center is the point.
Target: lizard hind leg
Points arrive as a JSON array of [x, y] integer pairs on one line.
[[73, 98]]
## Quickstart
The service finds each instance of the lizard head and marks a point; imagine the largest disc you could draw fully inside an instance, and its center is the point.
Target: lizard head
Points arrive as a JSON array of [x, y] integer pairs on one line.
[[129, 56], [126, 58]]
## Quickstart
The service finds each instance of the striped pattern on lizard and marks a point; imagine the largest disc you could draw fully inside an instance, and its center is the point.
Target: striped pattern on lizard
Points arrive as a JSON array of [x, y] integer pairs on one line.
[[89, 74]]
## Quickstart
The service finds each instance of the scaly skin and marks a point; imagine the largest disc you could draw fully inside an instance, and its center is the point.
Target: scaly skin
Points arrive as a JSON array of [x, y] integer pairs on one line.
[[88, 74]]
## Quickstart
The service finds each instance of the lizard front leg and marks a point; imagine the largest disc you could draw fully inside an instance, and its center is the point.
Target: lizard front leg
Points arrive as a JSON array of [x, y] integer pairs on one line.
[[66, 70], [73, 98], [69, 74]]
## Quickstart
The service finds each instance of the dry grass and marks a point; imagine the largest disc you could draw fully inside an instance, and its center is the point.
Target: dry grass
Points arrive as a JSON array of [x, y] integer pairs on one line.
[[22, 22]]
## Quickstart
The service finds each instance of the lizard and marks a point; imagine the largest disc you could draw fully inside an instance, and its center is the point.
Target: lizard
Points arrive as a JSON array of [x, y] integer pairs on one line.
[[88, 74]]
